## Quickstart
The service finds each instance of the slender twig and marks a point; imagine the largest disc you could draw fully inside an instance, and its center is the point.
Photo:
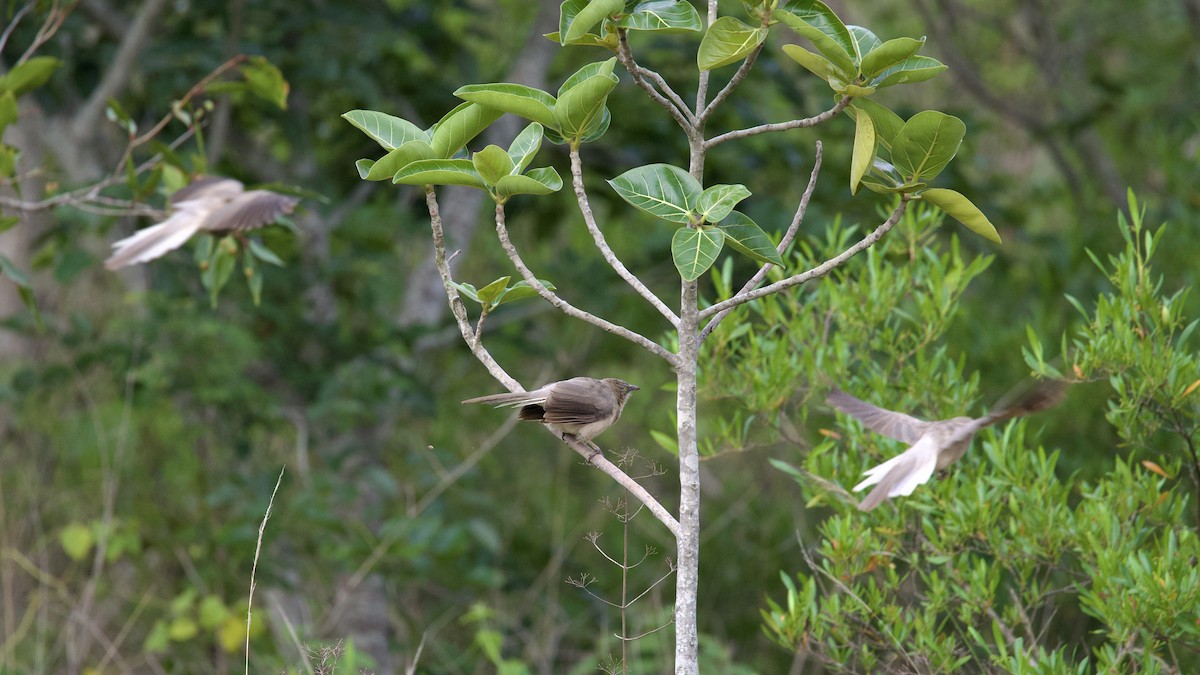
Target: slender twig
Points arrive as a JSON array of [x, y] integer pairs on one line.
[[566, 307], [54, 20], [596, 458], [814, 273], [14, 21], [788, 236], [254, 567], [779, 126], [196, 90], [668, 99], [606, 251], [456, 304]]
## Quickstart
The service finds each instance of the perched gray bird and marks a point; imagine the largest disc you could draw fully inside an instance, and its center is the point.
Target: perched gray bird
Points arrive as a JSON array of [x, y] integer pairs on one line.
[[581, 406], [933, 445], [207, 204]]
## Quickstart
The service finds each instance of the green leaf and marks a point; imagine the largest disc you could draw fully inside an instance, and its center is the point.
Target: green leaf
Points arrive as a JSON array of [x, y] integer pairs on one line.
[[220, 267], [913, 69], [815, 21], [467, 290], [728, 41], [13, 272], [962, 210], [886, 123], [538, 182], [212, 612], [260, 251], [588, 71], [459, 126], [580, 109], [157, 641], [492, 163], [745, 236], [29, 75], [926, 144], [864, 149], [532, 104], [8, 222], [397, 159], [364, 167], [578, 25], [863, 41], [694, 250], [76, 539], [662, 190], [522, 290], [815, 63], [718, 200], [8, 160], [440, 172], [663, 15], [182, 628], [388, 131], [488, 294], [665, 441], [525, 146], [264, 80], [8, 109], [888, 54]]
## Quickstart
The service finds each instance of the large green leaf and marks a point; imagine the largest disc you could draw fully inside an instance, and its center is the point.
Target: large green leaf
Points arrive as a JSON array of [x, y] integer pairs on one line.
[[578, 25], [522, 290], [580, 109], [863, 41], [459, 126], [532, 104], [537, 182], [815, 63], [387, 130], [387, 166], [888, 54], [727, 41], [694, 250], [815, 21], [29, 75], [589, 71], [886, 123], [926, 144], [962, 210], [492, 163], [745, 236], [440, 172], [864, 149], [525, 146], [913, 69], [718, 200], [8, 110], [662, 190], [663, 15]]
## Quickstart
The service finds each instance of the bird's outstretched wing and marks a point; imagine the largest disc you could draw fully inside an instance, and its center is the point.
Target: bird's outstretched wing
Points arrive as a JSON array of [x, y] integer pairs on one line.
[[899, 426]]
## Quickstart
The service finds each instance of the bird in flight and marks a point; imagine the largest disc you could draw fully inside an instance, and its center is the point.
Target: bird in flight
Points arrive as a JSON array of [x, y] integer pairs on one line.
[[932, 445], [207, 204]]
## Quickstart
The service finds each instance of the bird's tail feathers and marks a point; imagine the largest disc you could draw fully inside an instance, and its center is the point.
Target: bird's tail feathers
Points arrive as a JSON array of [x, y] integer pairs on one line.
[[502, 400], [152, 242]]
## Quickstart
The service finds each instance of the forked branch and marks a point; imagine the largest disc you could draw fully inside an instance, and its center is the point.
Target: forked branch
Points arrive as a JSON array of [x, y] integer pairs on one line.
[[814, 273]]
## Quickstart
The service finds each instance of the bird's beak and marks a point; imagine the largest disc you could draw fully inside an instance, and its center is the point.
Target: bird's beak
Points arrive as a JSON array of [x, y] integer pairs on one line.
[[634, 387]]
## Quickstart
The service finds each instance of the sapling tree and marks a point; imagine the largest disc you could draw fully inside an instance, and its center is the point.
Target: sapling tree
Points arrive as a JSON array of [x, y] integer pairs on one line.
[[891, 156]]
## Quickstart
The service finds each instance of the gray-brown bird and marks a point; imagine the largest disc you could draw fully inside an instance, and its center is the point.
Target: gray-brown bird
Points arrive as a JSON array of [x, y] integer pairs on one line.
[[933, 445], [207, 204], [581, 406]]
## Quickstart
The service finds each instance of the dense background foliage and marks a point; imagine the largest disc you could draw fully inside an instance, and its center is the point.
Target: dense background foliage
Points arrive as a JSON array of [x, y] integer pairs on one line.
[[143, 431]]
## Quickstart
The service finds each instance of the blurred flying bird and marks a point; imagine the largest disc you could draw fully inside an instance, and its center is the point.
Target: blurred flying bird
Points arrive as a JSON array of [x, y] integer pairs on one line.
[[207, 204], [932, 445]]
